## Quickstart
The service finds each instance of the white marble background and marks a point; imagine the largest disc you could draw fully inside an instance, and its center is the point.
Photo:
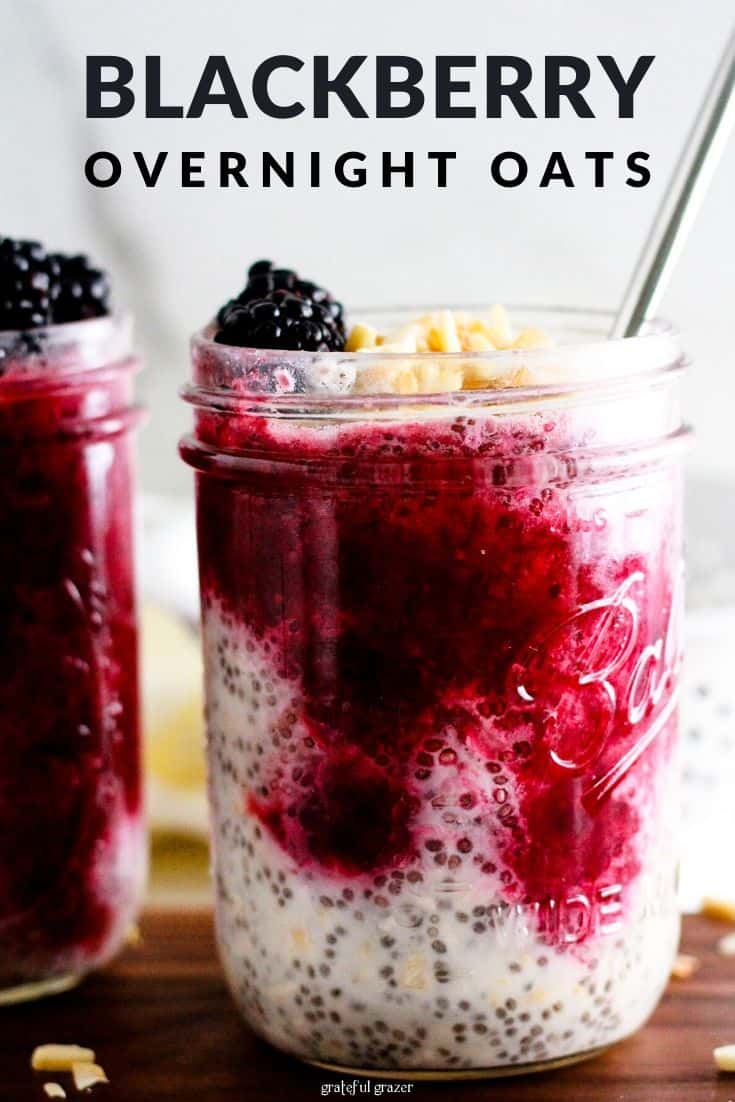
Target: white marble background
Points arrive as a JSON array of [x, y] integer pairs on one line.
[[176, 254]]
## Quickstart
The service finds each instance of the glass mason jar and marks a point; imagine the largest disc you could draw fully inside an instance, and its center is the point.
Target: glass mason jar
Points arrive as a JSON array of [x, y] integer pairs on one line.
[[72, 847], [442, 647]]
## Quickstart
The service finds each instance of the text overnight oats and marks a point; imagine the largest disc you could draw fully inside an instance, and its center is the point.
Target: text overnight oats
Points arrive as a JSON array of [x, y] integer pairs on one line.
[[72, 852], [441, 586]]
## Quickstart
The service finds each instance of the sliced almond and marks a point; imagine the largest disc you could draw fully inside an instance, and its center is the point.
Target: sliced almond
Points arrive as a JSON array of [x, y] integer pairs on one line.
[[725, 1057], [300, 937], [684, 966], [500, 328], [361, 336], [521, 376], [477, 342], [54, 1090], [721, 909], [394, 377], [133, 936], [413, 337], [444, 331], [60, 1057], [87, 1075], [480, 327], [433, 377], [414, 973], [726, 945], [483, 373], [443, 335], [531, 338]]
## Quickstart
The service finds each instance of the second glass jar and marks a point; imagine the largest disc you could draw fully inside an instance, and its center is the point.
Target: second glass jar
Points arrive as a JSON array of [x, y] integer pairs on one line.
[[72, 842]]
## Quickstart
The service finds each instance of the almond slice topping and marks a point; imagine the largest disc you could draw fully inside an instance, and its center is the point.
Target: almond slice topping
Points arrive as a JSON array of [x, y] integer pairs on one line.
[[54, 1090]]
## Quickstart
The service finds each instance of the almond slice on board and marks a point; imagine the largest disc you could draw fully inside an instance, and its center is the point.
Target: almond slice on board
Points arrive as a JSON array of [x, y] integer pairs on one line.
[[725, 1057], [87, 1075], [60, 1057], [684, 966], [721, 909]]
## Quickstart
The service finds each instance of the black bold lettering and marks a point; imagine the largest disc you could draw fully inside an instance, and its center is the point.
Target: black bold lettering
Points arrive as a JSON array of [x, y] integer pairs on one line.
[[497, 164], [284, 173], [626, 87], [572, 90], [90, 169], [191, 171], [232, 166], [405, 170], [154, 109], [497, 88], [446, 86], [261, 93], [441, 159], [387, 85], [642, 172], [599, 157], [216, 68], [324, 86], [556, 169], [359, 175], [97, 86]]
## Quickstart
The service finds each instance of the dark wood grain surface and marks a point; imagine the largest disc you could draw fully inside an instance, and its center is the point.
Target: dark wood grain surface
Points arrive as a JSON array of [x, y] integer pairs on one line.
[[163, 1027]]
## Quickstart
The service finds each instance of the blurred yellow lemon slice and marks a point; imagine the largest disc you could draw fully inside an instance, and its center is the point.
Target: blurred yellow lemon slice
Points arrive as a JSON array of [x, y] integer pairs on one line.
[[173, 724]]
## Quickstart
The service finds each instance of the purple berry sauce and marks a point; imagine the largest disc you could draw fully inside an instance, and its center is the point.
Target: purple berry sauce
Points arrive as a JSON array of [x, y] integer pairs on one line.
[[430, 611], [71, 856]]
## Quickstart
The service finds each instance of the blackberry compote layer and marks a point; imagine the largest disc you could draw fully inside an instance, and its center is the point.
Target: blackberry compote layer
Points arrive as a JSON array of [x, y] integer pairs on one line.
[[442, 647], [71, 837]]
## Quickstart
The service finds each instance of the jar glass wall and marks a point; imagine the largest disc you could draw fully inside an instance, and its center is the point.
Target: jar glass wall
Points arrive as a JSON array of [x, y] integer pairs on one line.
[[442, 644], [72, 846]]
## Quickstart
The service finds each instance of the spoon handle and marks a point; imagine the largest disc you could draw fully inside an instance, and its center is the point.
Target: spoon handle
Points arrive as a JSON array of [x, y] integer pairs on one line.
[[682, 200]]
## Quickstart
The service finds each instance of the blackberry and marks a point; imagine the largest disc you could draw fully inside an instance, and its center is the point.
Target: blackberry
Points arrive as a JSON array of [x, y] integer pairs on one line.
[[281, 319], [38, 288], [277, 309], [25, 285], [81, 291]]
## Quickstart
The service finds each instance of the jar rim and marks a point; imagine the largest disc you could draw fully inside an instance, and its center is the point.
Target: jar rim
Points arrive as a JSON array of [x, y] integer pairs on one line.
[[68, 349], [652, 329], [64, 331], [223, 374]]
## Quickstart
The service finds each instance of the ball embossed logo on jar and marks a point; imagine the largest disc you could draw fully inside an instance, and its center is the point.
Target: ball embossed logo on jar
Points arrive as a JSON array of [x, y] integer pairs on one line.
[[606, 674]]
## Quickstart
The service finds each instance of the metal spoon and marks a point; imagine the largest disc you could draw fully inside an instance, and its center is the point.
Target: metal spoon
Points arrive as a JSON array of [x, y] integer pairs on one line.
[[682, 200]]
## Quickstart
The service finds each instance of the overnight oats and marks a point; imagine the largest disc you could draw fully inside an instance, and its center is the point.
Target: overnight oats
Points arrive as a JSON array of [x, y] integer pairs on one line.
[[441, 587], [72, 854]]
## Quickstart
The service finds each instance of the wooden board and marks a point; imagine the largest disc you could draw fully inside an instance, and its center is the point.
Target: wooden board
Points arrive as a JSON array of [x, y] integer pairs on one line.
[[163, 1027]]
